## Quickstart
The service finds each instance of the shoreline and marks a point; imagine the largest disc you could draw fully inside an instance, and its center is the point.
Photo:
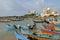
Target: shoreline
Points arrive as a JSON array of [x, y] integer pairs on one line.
[[7, 36], [19, 18]]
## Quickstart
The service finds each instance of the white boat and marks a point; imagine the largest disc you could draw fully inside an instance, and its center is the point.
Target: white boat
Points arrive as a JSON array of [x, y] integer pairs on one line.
[[38, 21]]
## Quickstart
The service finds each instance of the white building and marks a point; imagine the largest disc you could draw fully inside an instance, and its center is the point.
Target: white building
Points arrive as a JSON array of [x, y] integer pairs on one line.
[[48, 12]]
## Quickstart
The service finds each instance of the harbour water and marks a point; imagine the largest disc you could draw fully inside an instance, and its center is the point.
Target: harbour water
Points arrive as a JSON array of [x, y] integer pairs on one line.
[[8, 35]]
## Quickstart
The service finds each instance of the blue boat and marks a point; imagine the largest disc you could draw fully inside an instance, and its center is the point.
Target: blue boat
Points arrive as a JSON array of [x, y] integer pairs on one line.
[[9, 27], [19, 36], [25, 30]]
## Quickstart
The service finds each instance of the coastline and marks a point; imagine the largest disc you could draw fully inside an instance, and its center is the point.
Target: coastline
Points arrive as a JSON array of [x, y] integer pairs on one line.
[[20, 18], [7, 36]]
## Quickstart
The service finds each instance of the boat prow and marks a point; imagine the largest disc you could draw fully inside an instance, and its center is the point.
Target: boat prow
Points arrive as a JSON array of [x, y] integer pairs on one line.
[[19, 36]]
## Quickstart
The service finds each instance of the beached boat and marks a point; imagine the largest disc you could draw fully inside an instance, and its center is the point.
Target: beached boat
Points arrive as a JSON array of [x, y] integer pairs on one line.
[[57, 28], [41, 33], [19, 36], [49, 27], [17, 19], [38, 21], [24, 30], [5, 20], [26, 37], [52, 28], [9, 27]]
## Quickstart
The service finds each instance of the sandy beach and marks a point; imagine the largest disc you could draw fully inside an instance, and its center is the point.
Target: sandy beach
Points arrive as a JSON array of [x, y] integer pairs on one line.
[[7, 36]]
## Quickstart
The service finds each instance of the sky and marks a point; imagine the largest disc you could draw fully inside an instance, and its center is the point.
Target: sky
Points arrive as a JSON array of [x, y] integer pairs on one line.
[[21, 7]]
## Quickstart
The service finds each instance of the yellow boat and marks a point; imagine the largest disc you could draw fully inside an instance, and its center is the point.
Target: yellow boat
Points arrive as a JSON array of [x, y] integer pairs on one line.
[[57, 28]]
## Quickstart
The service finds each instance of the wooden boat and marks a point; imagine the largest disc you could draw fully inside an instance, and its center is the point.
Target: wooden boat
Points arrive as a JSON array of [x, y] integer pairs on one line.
[[5, 20], [19, 36], [24, 30], [52, 22], [53, 28], [49, 27], [57, 28], [9, 27], [17, 20], [38, 21], [37, 35], [27, 37]]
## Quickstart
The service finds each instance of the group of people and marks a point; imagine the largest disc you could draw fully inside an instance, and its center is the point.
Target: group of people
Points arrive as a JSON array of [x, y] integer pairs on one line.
[[14, 27], [30, 28], [19, 27]]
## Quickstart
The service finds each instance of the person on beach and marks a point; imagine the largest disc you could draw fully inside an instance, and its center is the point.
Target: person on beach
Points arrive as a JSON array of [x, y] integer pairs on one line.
[[30, 27], [15, 27], [34, 28], [19, 27]]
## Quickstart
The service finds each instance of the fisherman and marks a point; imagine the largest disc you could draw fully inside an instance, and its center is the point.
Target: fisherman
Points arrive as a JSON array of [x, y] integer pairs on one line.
[[34, 25], [15, 27], [19, 27], [34, 28], [46, 21], [29, 26]]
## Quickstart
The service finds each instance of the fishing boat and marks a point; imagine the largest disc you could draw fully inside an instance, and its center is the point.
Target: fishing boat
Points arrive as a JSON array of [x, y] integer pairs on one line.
[[9, 27], [42, 33], [24, 30], [26, 37], [19, 36], [52, 28], [17, 19], [5, 20], [49, 27], [38, 21]]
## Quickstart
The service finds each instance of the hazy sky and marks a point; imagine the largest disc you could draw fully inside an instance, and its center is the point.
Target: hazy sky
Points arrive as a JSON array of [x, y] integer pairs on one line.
[[20, 7]]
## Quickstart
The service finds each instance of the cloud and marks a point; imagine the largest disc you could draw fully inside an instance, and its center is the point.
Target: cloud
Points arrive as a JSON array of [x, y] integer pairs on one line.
[[20, 7], [38, 2], [9, 7]]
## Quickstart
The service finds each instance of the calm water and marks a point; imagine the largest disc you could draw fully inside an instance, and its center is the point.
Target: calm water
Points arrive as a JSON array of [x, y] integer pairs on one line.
[[5, 33]]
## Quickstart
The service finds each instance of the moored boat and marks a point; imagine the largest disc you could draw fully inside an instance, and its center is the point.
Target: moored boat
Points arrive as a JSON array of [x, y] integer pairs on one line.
[[38, 21], [40, 33]]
